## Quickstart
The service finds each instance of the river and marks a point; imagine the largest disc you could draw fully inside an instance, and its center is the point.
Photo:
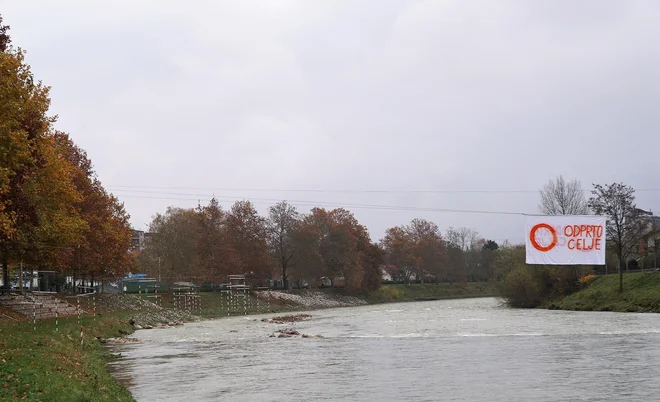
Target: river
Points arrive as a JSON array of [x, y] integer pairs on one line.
[[452, 350]]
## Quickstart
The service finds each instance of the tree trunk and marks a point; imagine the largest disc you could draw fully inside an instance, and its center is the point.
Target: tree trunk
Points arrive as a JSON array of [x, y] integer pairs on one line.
[[285, 283], [621, 262], [5, 268]]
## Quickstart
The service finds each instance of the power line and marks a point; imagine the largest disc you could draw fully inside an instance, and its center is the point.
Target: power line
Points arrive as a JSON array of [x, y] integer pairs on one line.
[[367, 191], [337, 204], [283, 190]]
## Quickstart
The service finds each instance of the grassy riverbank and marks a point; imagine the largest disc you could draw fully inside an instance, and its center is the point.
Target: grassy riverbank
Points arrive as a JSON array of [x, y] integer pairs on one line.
[[413, 292], [641, 293], [47, 365]]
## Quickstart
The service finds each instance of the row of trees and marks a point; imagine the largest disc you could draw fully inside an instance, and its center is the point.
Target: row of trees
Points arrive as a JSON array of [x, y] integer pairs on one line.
[[207, 243], [54, 212], [419, 251]]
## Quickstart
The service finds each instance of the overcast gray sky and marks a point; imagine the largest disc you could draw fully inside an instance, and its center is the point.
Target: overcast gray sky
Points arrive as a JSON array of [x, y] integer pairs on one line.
[[200, 97]]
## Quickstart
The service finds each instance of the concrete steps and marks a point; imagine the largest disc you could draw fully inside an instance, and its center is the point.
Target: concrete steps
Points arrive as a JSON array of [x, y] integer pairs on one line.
[[38, 305]]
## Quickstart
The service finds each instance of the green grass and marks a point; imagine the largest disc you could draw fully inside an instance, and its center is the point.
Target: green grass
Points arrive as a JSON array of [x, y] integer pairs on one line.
[[402, 293], [46, 365], [214, 305], [641, 293]]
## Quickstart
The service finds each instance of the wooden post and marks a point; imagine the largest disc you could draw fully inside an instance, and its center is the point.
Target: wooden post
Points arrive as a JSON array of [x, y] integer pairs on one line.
[[34, 311], [79, 320]]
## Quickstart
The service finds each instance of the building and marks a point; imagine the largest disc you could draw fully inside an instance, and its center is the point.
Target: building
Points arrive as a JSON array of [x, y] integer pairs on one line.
[[137, 240], [648, 251]]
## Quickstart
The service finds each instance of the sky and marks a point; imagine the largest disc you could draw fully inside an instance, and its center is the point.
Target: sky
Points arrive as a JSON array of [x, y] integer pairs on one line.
[[441, 107]]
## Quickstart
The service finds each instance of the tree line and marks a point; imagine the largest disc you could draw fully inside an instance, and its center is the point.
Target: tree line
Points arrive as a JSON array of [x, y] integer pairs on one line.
[[322, 247], [54, 213]]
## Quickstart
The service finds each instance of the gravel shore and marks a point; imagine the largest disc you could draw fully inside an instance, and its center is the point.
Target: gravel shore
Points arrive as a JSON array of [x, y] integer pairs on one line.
[[311, 299]]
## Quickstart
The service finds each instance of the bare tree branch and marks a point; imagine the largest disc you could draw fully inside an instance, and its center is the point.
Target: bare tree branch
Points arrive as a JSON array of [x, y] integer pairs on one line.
[[561, 197]]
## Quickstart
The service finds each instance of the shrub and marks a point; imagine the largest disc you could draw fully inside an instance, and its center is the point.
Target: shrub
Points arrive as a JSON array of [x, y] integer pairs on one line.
[[389, 293], [522, 288], [587, 279]]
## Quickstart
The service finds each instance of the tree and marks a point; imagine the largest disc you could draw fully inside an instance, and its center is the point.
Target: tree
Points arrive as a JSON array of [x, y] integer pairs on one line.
[[334, 246], [398, 247], [103, 249], [428, 248], [36, 190], [283, 225], [306, 262], [561, 197], [463, 241], [490, 245], [247, 234], [171, 251], [462, 238], [5, 40], [416, 250], [215, 254], [624, 226], [372, 260], [353, 239]]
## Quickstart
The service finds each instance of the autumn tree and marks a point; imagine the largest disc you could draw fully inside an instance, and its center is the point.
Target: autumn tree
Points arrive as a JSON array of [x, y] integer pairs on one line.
[[283, 227], [334, 246], [351, 240], [5, 40], [247, 235], [315, 231], [398, 247], [416, 250], [36, 190], [625, 228], [428, 248], [103, 250], [215, 255], [371, 261], [561, 197], [307, 263]]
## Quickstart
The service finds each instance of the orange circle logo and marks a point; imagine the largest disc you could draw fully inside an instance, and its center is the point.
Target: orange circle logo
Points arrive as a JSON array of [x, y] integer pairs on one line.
[[532, 237]]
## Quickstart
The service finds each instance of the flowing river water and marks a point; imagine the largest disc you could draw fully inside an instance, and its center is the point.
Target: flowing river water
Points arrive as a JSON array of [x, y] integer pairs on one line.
[[451, 350]]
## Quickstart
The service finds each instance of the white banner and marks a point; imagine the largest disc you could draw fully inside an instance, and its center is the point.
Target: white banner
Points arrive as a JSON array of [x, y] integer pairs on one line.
[[565, 240]]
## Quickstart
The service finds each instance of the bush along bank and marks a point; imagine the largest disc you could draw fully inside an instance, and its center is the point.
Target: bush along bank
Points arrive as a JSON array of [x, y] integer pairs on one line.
[[641, 293]]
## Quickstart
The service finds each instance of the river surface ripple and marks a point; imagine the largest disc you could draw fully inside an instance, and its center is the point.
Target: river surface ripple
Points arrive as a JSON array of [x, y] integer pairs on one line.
[[451, 350]]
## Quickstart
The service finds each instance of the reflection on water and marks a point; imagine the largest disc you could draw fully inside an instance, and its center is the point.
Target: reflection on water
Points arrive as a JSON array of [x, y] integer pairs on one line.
[[452, 350]]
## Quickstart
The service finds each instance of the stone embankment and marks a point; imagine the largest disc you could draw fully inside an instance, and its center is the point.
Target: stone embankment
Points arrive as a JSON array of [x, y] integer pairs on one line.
[[311, 299]]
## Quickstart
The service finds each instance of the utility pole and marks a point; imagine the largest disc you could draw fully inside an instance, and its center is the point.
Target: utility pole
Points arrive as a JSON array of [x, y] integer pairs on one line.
[[158, 268]]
